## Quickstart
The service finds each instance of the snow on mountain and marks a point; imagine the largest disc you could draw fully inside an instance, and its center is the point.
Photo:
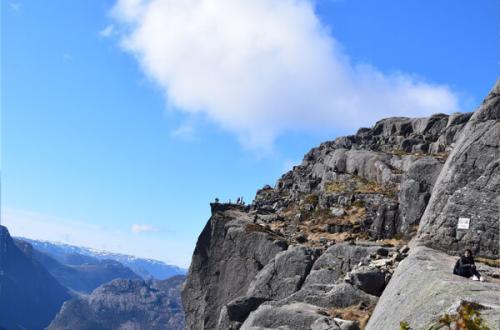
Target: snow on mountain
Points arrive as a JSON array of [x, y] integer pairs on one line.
[[76, 255]]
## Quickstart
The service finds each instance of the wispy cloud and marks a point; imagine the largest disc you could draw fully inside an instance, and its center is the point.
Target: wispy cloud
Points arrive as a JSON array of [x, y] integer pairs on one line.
[[15, 6], [67, 57], [41, 226], [107, 31], [260, 68], [139, 228]]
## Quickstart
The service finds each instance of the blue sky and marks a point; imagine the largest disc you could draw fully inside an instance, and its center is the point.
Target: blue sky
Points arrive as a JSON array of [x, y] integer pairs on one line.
[[106, 124]]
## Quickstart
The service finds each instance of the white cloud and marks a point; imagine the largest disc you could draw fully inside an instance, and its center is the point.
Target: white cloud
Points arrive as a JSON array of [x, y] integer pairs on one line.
[[260, 68], [107, 31], [35, 225], [138, 228]]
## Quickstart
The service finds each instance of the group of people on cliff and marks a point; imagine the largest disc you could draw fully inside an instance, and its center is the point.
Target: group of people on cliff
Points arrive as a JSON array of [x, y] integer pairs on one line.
[[239, 201]]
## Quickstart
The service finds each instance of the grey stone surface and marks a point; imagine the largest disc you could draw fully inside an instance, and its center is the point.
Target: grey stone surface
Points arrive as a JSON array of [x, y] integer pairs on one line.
[[228, 255], [295, 316], [423, 288], [369, 279], [336, 262], [283, 275], [468, 187], [328, 323], [415, 191], [339, 295]]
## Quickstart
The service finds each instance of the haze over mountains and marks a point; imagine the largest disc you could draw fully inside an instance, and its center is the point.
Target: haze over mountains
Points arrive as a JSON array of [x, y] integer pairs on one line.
[[75, 255], [36, 278]]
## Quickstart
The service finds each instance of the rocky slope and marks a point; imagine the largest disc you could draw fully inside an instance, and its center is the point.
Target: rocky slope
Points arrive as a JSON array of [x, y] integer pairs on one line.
[[321, 245], [29, 296], [82, 278], [423, 289], [125, 304]]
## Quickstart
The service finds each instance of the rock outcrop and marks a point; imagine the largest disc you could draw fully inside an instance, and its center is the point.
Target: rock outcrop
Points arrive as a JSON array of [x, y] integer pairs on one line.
[[125, 304], [468, 187], [423, 289], [29, 296], [229, 253], [323, 243]]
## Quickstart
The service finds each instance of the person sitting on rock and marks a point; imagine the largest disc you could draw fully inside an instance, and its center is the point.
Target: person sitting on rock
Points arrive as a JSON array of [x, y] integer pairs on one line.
[[465, 267]]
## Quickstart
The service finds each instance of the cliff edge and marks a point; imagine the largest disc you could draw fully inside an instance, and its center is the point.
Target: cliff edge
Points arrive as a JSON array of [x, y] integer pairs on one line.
[[328, 244]]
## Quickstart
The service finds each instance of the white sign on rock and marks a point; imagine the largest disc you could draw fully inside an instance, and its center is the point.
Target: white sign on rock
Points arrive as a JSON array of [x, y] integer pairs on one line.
[[463, 223]]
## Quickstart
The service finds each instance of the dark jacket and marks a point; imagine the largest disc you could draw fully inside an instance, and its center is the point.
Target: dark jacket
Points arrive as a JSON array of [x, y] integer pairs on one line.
[[464, 266]]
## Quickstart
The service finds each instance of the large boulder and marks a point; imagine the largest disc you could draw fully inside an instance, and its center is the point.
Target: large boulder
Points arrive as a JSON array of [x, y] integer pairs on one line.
[[468, 187], [283, 275], [295, 316], [336, 262], [369, 279]]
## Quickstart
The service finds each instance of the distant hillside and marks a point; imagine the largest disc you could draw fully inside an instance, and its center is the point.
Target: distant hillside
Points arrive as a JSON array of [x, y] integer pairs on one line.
[[82, 278], [126, 304], [29, 296], [75, 256]]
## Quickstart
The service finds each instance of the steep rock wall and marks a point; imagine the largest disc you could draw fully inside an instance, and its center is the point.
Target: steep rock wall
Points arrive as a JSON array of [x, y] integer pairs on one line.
[[468, 187]]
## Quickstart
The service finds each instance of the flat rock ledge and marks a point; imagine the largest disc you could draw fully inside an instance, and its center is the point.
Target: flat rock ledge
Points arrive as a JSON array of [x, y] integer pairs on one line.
[[423, 288]]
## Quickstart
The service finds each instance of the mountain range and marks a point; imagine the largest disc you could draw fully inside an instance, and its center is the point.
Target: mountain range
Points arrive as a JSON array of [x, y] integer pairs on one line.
[[38, 278], [75, 256]]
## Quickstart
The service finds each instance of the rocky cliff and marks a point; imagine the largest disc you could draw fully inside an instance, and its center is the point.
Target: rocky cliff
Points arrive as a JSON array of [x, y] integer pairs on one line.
[[125, 304], [317, 250], [29, 296]]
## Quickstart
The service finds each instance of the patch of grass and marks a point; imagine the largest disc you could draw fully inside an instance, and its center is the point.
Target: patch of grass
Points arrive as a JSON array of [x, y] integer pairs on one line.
[[359, 313], [359, 203], [403, 325], [360, 185], [253, 227], [335, 187], [312, 199], [488, 261], [399, 152], [467, 318]]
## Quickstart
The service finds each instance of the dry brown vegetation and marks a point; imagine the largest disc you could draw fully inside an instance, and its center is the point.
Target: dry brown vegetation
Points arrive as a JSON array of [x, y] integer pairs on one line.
[[443, 156], [359, 185], [488, 261], [359, 313]]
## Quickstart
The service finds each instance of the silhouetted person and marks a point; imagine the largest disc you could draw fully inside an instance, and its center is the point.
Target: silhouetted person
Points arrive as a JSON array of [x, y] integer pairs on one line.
[[216, 200], [465, 267]]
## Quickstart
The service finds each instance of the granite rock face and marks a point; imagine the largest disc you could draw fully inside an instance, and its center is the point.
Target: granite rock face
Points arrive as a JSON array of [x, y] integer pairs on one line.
[[468, 187], [423, 288], [327, 239], [229, 253], [126, 304], [29, 296]]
